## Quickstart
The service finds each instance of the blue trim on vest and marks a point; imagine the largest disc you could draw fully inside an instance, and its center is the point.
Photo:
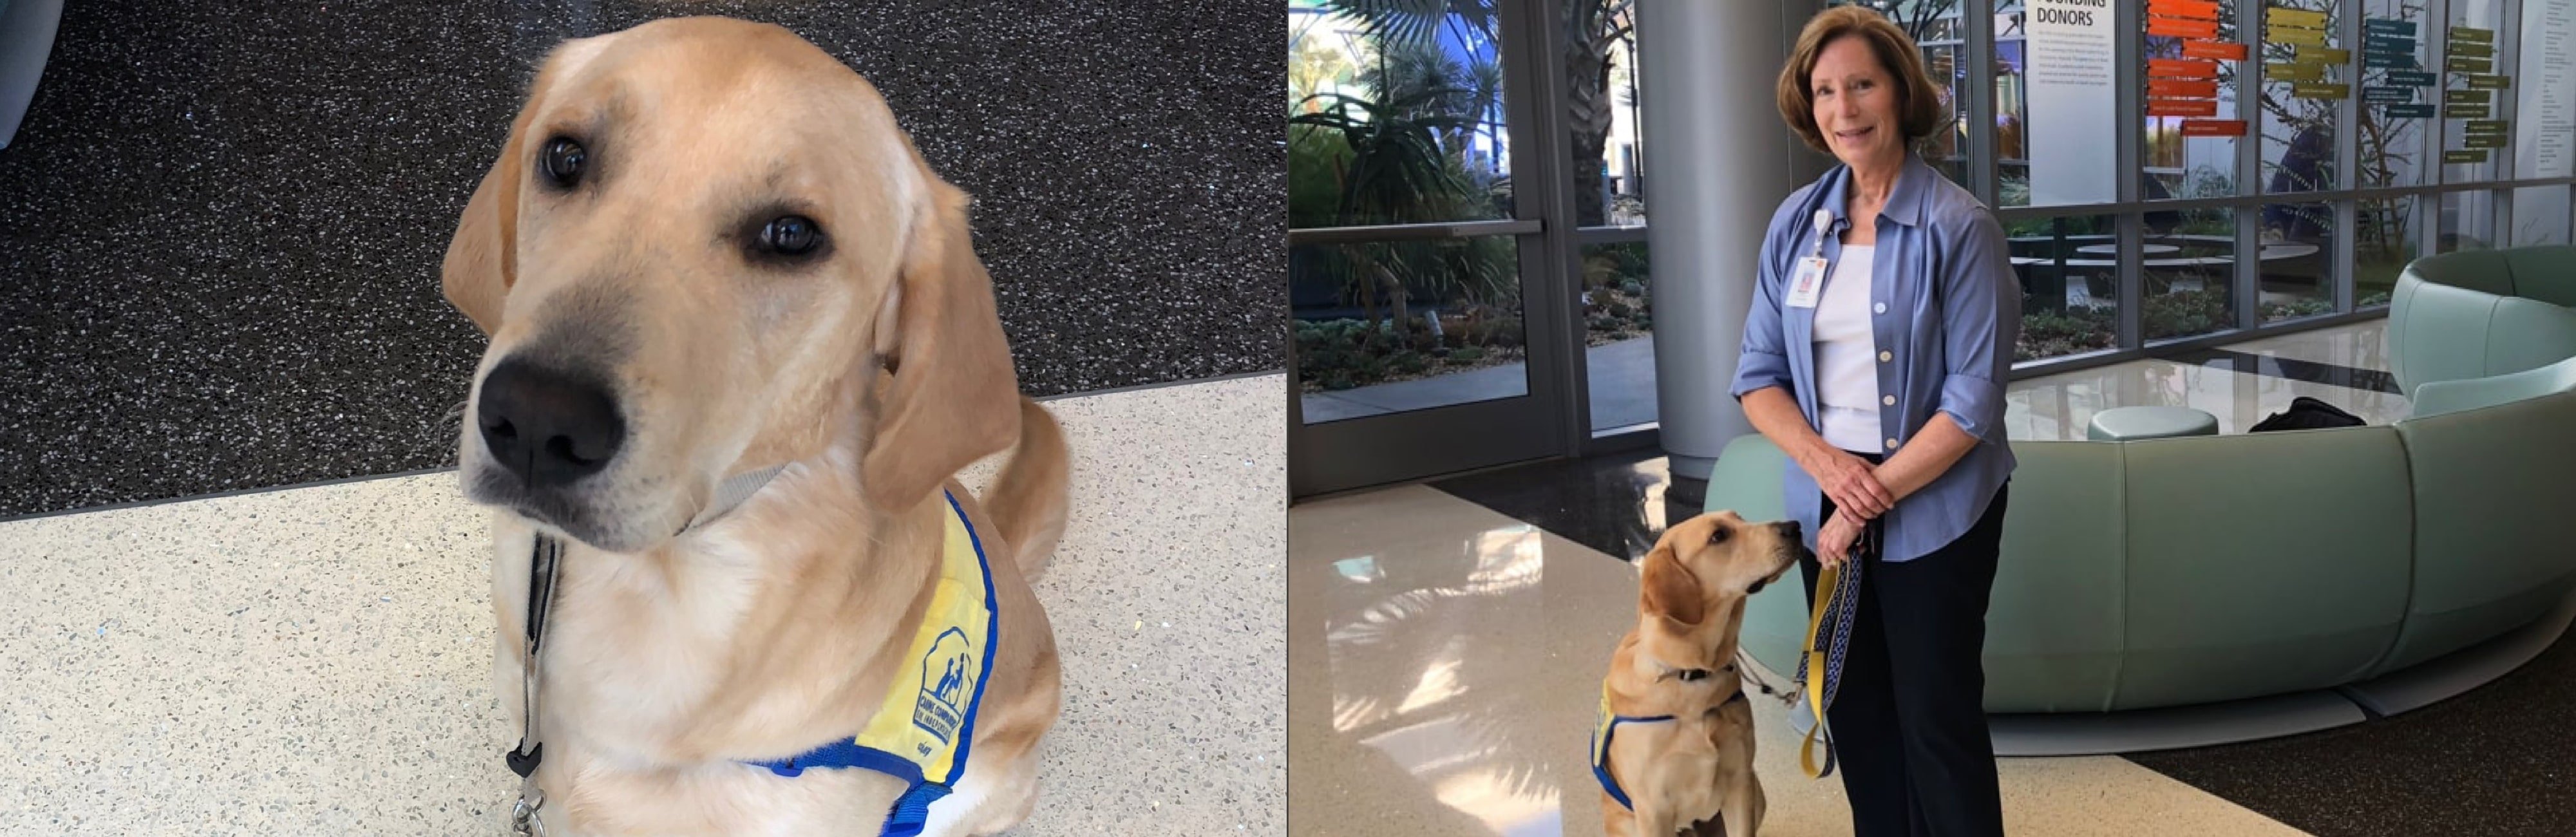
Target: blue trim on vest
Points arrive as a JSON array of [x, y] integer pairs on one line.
[[1601, 768], [844, 753], [992, 639], [912, 811]]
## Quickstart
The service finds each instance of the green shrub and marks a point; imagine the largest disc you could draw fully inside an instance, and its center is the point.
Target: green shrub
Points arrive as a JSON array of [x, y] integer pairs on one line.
[[2182, 313], [1347, 353], [2296, 308], [2054, 333]]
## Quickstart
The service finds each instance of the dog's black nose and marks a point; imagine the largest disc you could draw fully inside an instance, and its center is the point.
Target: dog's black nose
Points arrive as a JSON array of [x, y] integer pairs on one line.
[[546, 426], [1789, 528]]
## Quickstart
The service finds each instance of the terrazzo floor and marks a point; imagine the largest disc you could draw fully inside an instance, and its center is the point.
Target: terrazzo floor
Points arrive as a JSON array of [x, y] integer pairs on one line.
[[318, 661]]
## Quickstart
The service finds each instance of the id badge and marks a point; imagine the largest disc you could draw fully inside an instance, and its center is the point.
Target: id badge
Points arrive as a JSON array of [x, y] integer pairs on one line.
[[1808, 284]]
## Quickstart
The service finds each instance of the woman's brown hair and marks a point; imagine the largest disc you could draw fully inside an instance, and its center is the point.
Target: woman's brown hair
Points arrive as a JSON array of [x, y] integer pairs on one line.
[[1919, 108]]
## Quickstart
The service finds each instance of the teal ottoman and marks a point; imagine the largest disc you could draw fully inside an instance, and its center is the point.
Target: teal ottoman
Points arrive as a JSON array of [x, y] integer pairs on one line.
[[2130, 423]]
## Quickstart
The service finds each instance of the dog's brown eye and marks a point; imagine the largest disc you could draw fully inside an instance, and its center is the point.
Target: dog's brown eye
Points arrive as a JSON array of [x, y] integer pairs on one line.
[[1717, 535], [793, 235], [562, 162]]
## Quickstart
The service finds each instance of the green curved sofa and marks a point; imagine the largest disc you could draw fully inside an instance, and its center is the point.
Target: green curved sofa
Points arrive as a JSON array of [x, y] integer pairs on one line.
[[2171, 572], [2477, 313]]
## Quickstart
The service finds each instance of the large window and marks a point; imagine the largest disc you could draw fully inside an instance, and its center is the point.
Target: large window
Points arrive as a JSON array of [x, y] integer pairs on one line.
[[2306, 77], [2189, 261], [2468, 222], [2540, 216], [2474, 117], [2069, 272], [2288, 157], [1938, 30], [2191, 55], [2383, 242], [1395, 121], [1606, 135], [1605, 129], [1410, 241], [2544, 127], [2400, 94]]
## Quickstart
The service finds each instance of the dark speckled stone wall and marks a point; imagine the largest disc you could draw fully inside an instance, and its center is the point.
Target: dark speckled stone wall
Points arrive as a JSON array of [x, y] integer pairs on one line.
[[221, 224]]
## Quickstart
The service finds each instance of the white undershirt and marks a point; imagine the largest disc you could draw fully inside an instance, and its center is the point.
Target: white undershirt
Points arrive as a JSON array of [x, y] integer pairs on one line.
[[1846, 380]]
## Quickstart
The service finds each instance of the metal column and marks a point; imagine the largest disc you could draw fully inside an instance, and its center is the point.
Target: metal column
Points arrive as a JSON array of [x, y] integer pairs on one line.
[[1722, 163]]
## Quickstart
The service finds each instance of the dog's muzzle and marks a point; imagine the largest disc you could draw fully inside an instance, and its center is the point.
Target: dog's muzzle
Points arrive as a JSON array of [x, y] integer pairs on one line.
[[548, 427]]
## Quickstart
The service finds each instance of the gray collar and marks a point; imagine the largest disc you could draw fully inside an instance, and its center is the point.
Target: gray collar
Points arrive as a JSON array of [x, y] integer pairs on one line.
[[542, 567], [731, 493]]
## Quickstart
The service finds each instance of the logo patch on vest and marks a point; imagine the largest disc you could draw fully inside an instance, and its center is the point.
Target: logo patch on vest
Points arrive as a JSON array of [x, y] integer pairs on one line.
[[947, 678]]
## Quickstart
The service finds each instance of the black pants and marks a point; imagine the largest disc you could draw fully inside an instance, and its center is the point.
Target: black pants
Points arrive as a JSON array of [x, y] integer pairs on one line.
[[1908, 718]]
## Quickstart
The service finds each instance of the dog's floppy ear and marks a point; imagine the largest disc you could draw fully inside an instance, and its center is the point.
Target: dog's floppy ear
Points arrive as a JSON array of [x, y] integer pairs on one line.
[[482, 258], [1669, 589], [481, 262], [955, 397]]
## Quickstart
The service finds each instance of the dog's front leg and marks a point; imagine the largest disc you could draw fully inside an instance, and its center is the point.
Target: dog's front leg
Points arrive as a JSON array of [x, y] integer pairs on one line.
[[1655, 819], [1743, 808]]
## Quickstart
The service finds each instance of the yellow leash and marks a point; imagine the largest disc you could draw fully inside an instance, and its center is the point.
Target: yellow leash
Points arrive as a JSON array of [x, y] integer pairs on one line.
[[1820, 664], [1828, 583]]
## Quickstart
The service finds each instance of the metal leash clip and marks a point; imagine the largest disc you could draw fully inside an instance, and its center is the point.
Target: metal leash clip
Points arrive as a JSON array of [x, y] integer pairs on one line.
[[523, 816]]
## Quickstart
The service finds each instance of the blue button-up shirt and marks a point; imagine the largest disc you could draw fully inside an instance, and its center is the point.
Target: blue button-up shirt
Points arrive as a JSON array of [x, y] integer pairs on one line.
[[1946, 314]]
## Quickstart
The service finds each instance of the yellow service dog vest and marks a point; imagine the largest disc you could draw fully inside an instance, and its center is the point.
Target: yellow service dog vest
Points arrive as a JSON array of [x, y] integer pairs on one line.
[[925, 729]]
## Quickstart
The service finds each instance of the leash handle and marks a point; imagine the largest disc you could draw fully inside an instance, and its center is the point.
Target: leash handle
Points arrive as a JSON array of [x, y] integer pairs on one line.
[[1816, 671], [1820, 666]]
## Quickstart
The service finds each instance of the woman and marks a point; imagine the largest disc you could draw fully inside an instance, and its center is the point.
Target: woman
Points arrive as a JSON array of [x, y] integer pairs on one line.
[[1875, 356]]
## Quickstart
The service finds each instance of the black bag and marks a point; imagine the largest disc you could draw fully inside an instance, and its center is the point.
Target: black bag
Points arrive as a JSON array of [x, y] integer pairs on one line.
[[2308, 414]]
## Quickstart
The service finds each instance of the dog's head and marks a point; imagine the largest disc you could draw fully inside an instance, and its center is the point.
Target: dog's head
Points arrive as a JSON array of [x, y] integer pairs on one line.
[[1701, 570], [703, 243]]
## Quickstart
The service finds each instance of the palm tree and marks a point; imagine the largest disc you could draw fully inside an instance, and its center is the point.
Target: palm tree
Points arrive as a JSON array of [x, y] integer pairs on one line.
[[1397, 155], [1593, 29]]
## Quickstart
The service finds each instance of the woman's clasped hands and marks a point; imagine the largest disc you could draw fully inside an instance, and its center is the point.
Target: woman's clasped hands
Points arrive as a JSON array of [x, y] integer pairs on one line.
[[1858, 498]]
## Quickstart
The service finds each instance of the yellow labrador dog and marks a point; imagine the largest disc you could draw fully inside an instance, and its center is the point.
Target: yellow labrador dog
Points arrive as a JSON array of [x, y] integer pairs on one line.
[[740, 346], [1673, 747]]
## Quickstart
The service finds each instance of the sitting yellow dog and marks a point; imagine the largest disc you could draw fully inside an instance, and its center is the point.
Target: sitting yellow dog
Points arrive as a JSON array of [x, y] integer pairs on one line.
[[1673, 747]]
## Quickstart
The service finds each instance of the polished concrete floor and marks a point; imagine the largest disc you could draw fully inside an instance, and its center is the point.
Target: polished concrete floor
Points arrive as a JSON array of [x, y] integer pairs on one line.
[[1446, 642], [1444, 664]]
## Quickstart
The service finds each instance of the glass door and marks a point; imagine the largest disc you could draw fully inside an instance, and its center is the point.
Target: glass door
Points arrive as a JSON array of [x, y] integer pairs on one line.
[[1419, 262], [1612, 282]]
